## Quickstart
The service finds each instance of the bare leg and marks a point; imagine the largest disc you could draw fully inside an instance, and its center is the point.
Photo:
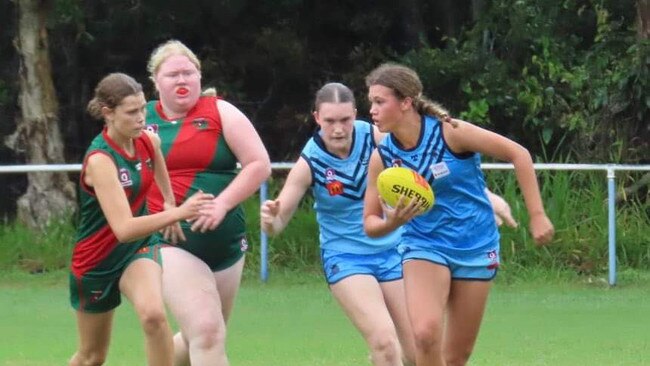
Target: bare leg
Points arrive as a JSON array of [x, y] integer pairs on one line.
[[94, 338], [396, 302], [227, 281], [141, 283], [191, 293], [466, 306], [427, 289], [362, 299]]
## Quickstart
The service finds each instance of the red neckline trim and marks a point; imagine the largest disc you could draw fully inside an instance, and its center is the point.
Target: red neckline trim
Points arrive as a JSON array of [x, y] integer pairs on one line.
[[159, 110], [117, 148]]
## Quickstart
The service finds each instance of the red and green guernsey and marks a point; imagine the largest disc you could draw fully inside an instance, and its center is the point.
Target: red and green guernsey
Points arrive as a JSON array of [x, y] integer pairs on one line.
[[198, 158], [98, 258]]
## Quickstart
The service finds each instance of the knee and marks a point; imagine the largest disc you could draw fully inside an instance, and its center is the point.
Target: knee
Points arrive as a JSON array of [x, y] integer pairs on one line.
[[385, 346], [153, 320], [428, 335], [208, 334]]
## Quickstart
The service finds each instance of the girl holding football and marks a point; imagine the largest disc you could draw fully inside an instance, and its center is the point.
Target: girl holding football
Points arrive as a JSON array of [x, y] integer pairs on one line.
[[363, 273], [450, 254]]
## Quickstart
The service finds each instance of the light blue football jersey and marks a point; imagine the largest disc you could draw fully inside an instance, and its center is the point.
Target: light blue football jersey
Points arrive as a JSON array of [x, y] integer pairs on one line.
[[461, 219], [338, 186]]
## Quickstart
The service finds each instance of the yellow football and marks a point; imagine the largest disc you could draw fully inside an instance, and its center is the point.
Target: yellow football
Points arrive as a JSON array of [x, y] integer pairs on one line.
[[392, 183]]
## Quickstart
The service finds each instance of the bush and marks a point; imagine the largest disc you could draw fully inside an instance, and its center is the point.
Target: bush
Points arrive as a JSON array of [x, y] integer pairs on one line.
[[576, 202]]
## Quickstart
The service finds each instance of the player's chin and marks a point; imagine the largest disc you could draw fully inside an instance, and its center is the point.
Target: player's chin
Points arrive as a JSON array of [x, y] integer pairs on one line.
[[381, 128]]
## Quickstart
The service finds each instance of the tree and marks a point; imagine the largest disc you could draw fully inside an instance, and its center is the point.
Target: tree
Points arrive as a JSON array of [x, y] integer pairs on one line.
[[643, 15], [37, 134]]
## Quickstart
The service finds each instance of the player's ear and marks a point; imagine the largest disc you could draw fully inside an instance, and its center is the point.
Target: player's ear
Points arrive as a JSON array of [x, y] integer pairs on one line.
[[406, 103]]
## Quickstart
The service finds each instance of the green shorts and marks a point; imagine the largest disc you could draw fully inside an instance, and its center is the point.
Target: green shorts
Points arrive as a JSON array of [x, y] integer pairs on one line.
[[219, 248], [92, 293]]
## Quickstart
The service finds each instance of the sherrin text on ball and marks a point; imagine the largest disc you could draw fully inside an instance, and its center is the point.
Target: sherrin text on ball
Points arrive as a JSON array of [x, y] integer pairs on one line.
[[394, 182]]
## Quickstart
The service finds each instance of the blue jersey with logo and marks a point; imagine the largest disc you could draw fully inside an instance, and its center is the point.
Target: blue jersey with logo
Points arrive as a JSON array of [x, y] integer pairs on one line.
[[338, 186], [461, 219]]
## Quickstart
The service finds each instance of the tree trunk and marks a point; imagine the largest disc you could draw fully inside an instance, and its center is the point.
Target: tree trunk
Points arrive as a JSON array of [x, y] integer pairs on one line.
[[478, 8], [412, 25], [643, 18], [450, 24], [37, 135]]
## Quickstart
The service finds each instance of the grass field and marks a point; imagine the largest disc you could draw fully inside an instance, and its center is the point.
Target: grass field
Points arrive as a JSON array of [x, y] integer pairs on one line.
[[292, 320]]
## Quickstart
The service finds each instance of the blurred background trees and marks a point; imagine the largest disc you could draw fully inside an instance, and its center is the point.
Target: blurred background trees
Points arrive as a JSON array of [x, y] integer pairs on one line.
[[569, 79]]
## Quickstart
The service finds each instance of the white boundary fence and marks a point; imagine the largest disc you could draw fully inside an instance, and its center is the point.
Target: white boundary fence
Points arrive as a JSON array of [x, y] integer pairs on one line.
[[610, 169]]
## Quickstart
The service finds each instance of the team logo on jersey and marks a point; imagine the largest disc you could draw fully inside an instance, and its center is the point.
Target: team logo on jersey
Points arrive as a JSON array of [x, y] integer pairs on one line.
[[334, 188], [330, 174], [149, 163], [95, 295], [492, 256], [152, 128], [415, 157], [396, 163], [200, 123], [243, 245], [125, 177], [138, 166], [334, 269], [440, 170]]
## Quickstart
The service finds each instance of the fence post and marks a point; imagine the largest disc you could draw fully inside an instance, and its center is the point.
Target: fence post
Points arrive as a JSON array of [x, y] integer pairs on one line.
[[611, 224], [264, 269]]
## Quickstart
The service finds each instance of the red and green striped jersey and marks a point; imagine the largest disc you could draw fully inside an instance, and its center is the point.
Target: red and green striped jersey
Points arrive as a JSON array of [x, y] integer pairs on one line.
[[97, 251], [196, 153]]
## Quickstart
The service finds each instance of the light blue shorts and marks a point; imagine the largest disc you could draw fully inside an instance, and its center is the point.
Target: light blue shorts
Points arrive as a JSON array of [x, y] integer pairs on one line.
[[384, 266], [481, 265]]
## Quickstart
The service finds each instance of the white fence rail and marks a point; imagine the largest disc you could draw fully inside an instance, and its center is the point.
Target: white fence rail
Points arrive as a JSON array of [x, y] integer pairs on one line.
[[610, 170]]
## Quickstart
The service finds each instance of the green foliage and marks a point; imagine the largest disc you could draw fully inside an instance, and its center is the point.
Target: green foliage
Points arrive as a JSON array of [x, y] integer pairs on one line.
[[297, 247], [547, 72], [35, 252], [576, 203], [565, 76]]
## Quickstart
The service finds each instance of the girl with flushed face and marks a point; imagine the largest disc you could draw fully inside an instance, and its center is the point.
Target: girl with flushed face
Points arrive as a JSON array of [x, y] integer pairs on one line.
[[178, 82], [126, 120], [336, 121], [385, 107]]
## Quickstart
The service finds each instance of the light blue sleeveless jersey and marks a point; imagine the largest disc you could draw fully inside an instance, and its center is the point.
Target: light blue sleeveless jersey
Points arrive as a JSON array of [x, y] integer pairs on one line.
[[338, 186], [461, 219]]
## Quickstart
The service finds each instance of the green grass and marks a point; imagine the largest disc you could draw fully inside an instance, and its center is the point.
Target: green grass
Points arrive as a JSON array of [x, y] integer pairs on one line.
[[534, 318]]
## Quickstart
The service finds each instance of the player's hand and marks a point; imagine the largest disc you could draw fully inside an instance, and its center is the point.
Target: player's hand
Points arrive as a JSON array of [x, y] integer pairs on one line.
[[541, 229], [212, 214], [402, 212], [192, 207], [502, 212], [268, 216], [173, 233]]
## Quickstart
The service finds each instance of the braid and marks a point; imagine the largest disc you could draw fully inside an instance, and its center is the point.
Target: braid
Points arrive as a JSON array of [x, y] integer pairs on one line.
[[425, 106]]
